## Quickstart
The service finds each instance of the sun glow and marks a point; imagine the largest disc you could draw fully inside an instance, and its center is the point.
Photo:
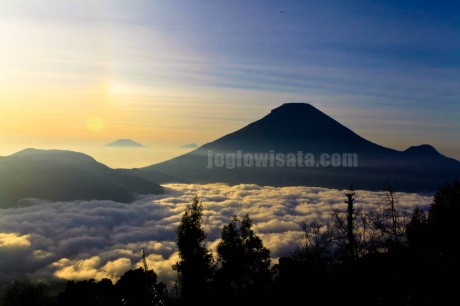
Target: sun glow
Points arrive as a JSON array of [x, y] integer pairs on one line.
[[94, 124]]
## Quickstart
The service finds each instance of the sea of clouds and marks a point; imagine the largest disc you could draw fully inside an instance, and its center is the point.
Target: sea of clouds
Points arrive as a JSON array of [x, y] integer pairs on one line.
[[102, 239]]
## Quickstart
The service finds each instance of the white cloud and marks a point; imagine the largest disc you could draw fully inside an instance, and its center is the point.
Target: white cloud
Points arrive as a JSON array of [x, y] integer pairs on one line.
[[102, 239], [276, 226], [12, 240], [78, 269]]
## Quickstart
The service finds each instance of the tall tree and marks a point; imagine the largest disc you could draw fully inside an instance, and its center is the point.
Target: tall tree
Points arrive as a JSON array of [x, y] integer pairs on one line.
[[351, 225], [348, 228], [388, 224], [244, 263], [195, 268]]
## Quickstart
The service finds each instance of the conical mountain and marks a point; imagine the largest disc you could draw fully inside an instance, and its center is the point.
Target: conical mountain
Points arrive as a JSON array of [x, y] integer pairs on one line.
[[125, 143], [294, 126], [299, 127]]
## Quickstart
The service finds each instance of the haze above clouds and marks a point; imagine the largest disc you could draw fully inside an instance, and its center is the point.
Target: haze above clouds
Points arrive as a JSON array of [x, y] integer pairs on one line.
[[97, 239]]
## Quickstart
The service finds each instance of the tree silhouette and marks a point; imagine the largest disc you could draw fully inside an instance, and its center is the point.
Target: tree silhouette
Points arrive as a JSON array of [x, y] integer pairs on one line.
[[344, 254], [25, 293], [350, 225], [89, 293], [307, 267], [195, 268], [442, 256], [416, 230], [443, 221], [388, 225], [139, 287], [348, 229], [107, 294], [244, 263]]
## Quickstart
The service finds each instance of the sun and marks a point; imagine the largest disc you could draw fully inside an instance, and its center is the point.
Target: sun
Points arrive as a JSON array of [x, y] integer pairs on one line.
[[94, 124]]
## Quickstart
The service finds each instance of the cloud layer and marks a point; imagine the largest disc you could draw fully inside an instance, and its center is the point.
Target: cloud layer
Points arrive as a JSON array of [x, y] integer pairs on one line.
[[98, 239]]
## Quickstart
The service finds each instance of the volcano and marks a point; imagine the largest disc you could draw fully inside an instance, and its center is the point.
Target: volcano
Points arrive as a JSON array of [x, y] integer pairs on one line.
[[125, 143], [299, 127]]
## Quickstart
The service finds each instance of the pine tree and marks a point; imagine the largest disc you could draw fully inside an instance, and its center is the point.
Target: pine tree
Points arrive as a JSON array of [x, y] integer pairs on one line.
[[195, 267]]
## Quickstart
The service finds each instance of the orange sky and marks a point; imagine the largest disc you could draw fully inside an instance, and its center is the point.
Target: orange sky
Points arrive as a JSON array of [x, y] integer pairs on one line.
[[78, 75]]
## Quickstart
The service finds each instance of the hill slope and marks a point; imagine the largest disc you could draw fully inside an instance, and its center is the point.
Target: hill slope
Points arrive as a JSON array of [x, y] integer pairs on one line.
[[64, 176]]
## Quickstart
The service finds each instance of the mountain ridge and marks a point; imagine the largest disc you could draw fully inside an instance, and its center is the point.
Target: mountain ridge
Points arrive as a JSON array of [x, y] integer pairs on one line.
[[59, 175], [294, 127]]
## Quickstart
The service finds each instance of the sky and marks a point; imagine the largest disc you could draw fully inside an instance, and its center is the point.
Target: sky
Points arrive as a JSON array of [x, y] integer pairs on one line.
[[80, 74]]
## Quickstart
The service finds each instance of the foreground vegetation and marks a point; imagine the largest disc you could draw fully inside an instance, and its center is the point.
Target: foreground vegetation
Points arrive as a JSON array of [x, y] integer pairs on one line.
[[381, 257]]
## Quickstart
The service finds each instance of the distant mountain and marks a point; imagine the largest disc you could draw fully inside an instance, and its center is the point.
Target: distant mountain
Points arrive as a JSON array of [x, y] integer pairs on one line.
[[64, 176], [295, 127], [127, 143]]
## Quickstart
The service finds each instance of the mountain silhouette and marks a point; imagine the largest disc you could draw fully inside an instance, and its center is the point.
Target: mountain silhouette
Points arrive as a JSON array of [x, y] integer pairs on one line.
[[64, 176], [128, 143], [295, 127]]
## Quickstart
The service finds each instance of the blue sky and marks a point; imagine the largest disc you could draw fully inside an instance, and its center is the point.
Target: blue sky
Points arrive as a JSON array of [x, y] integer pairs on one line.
[[390, 70]]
